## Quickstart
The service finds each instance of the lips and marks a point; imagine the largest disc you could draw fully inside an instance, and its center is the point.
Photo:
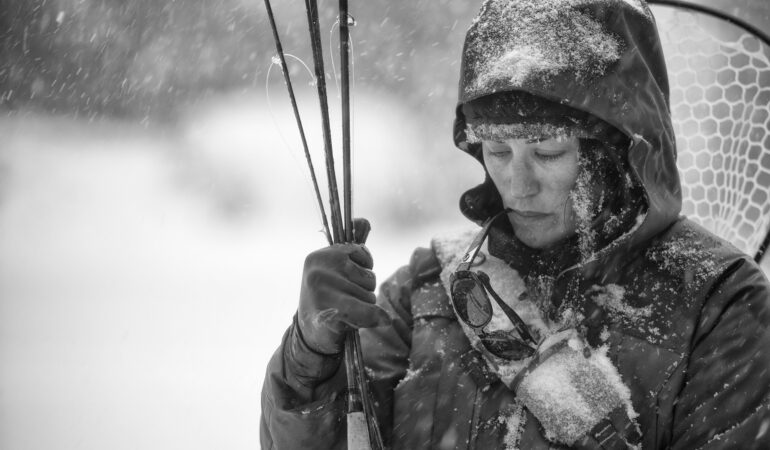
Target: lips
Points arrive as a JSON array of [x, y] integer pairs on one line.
[[529, 214]]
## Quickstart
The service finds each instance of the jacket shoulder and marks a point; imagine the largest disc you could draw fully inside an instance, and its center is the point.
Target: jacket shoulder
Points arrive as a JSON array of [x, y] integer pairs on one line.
[[682, 273], [689, 253], [415, 290], [687, 230], [424, 266]]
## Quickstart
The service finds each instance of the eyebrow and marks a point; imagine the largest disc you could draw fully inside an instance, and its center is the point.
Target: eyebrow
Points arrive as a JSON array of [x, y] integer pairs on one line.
[[536, 140]]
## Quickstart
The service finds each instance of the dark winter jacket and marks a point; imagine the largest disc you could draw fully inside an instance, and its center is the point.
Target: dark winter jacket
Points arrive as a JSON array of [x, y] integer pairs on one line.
[[697, 361]]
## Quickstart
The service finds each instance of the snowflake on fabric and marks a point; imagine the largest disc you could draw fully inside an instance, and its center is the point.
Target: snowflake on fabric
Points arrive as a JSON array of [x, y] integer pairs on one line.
[[511, 42]]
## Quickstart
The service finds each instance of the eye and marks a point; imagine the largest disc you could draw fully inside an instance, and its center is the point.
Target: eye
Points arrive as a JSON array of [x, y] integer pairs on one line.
[[499, 153], [497, 149], [549, 156]]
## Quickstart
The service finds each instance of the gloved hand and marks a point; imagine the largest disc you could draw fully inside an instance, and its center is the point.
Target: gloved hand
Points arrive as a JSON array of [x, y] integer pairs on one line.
[[577, 395], [337, 294]]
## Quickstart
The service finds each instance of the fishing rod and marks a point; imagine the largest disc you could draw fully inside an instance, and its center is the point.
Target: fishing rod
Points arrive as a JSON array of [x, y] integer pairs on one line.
[[354, 355], [287, 80], [311, 7], [363, 431], [344, 22]]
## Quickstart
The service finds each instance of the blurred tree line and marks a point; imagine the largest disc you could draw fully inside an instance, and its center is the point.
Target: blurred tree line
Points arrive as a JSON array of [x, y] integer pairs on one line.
[[148, 58]]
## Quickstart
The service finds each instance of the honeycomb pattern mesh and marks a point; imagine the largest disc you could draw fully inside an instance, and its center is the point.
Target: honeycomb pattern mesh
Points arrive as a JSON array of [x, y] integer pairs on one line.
[[720, 103]]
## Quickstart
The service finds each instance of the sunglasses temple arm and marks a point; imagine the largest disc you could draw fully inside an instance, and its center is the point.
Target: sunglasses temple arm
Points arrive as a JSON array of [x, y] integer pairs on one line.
[[518, 323], [475, 246]]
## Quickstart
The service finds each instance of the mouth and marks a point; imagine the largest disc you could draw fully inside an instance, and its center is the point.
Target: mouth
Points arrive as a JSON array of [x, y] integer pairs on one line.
[[527, 214]]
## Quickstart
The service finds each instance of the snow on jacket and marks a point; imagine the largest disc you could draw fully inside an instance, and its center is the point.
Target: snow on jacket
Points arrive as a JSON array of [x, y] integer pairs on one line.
[[685, 316]]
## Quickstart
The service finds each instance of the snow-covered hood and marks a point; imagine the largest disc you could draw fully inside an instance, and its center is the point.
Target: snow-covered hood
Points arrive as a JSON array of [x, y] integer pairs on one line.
[[598, 56]]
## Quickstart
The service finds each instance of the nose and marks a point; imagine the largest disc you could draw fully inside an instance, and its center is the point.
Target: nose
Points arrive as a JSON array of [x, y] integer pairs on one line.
[[522, 180]]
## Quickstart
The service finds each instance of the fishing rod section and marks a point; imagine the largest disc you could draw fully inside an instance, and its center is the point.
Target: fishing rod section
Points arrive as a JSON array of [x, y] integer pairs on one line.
[[363, 430], [345, 94], [311, 7], [287, 79]]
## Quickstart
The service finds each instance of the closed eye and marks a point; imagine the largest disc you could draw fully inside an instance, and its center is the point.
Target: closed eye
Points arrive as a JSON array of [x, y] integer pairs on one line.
[[549, 156], [497, 149]]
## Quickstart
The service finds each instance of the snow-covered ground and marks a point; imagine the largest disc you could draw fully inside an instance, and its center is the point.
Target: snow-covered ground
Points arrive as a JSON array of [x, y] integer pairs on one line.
[[147, 274]]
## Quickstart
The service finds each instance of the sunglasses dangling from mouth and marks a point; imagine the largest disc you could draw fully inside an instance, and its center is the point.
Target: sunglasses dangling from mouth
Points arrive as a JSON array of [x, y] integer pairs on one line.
[[470, 292]]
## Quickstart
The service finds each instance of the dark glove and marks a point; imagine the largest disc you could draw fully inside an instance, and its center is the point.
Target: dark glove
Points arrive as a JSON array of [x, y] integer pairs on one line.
[[337, 294]]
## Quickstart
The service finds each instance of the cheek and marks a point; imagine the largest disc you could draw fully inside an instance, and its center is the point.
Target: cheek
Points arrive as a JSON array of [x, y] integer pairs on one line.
[[561, 178], [496, 171]]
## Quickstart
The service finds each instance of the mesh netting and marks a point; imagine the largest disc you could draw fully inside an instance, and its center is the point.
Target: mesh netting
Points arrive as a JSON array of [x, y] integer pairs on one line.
[[720, 102]]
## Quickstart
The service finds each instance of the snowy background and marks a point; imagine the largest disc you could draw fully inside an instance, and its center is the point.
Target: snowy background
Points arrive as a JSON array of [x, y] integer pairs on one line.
[[147, 275], [155, 209]]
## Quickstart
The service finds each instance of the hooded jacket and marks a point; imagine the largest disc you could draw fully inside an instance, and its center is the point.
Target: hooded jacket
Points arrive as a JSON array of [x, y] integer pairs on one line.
[[696, 359]]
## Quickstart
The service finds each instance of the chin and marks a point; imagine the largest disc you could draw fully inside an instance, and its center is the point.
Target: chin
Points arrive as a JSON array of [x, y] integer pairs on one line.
[[533, 242], [539, 241]]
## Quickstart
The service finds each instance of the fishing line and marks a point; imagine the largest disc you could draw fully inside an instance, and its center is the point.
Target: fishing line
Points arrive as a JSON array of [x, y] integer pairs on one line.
[[331, 46], [285, 70], [351, 23], [276, 62], [292, 149]]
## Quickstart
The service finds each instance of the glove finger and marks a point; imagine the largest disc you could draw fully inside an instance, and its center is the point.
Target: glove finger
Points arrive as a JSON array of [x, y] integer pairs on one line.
[[360, 255], [361, 229], [335, 291], [362, 315], [349, 289], [360, 276]]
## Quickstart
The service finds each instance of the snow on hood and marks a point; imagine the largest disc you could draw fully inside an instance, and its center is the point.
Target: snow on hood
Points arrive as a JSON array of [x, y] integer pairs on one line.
[[513, 41], [603, 57]]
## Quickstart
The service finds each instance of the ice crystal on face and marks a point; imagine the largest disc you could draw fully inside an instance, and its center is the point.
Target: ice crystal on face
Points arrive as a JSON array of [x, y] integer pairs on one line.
[[512, 41], [585, 207]]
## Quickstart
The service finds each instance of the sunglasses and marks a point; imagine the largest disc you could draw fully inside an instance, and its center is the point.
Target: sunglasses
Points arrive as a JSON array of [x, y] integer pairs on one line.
[[470, 292]]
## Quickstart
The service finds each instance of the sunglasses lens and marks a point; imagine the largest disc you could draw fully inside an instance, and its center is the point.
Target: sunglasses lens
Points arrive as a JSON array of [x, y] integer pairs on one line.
[[506, 345], [471, 302]]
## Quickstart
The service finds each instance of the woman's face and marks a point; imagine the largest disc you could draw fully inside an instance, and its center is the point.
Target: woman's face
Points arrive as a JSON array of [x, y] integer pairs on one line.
[[534, 178]]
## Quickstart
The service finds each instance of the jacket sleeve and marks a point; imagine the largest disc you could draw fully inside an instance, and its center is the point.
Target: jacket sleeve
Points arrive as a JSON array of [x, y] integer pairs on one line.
[[725, 401], [302, 398], [299, 412]]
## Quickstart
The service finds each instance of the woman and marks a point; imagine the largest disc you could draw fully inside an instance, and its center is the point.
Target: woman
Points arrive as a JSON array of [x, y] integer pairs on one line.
[[586, 313]]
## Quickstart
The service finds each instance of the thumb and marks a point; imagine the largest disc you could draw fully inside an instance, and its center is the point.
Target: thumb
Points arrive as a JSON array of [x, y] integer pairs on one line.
[[361, 229]]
